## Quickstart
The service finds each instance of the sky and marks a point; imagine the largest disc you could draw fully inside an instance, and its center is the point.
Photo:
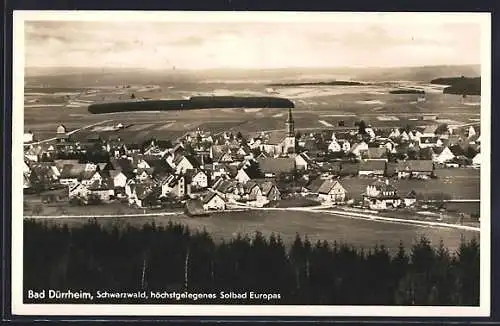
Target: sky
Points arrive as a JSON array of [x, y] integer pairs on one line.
[[250, 45]]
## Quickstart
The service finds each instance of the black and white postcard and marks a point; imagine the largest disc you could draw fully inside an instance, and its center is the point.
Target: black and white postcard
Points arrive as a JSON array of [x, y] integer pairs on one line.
[[251, 164]]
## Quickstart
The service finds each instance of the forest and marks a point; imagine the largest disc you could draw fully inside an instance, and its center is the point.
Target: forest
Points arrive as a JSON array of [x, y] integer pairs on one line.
[[120, 257], [460, 85], [194, 103]]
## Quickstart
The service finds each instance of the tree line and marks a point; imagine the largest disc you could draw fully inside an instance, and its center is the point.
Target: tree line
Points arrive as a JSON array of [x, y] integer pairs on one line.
[[122, 257]]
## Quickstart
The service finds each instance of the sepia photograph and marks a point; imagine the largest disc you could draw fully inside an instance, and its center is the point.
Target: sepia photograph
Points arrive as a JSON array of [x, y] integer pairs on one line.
[[251, 163]]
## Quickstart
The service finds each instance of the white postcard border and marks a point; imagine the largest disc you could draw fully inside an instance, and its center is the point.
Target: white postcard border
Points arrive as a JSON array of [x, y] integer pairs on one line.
[[19, 308]]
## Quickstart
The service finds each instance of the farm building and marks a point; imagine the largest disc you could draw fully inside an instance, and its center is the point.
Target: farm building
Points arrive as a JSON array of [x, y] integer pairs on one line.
[[213, 201], [331, 191], [414, 169], [381, 195]]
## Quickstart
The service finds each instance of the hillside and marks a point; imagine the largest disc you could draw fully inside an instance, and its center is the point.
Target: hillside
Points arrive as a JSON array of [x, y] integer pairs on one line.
[[460, 85]]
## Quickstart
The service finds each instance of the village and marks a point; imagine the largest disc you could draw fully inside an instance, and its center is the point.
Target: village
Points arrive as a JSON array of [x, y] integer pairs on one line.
[[203, 172]]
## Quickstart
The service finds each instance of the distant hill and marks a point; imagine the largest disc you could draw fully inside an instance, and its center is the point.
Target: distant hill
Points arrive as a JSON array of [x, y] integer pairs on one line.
[[81, 76], [423, 74], [460, 85]]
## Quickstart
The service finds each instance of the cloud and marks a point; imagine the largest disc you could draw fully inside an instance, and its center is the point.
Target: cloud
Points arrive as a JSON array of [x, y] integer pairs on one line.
[[249, 45]]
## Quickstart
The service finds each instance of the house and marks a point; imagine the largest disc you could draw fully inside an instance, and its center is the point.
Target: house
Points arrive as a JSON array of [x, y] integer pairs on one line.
[[372, 168], [272, 167], [28, 137], [334, 146], [349, 169], [375, 153], [414, 169], [444, 156], [61, 129], [430, 141], [410, 199], [358, 148], [119, 180], [78, 191], [476, 161], [249, 170], [197, 178], [303, 161], [71, 173], [142, 195], [381, 195], [91, 177], [185, 162], [213, 201], [230, 190], [175, 185], [270, 191], [331, 191], [103, 190], [253, 194]]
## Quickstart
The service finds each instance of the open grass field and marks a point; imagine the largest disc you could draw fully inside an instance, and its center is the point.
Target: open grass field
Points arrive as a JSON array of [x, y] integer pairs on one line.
[[64, 99], [316, 226]]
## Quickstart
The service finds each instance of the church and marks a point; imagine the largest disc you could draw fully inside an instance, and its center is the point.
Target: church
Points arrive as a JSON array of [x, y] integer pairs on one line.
[[274, 144]]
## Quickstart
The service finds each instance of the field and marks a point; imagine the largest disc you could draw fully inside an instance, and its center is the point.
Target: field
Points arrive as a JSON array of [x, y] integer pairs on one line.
[[316, 226], [63, 99]]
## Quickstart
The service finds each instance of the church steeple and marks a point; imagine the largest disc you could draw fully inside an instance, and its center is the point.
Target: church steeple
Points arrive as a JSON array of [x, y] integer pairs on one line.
[[290, 124]]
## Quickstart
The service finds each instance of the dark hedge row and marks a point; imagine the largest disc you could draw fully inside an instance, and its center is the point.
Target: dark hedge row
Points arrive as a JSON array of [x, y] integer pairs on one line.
[[194, 103], [173, 258]]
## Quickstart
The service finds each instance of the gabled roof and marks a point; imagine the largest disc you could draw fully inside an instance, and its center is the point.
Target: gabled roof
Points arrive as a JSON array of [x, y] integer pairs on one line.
[[277, 165], [327, 186], [377, 152], [266, 187], [209, 196], [372, 165], [411, 195], [252, 169], [72, 170], [382, 186], [314, 185], [122, 164]]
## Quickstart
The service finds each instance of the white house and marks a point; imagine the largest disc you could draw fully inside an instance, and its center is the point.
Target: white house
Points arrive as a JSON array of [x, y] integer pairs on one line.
[[213, 201], [358, 148], [28, 137], [242, 176], [445, 156], [91, 177], [476, 161], [381, 195], [471, 131], [334, 146], [184, 163], [331, 191], [78, 190], [200, 180], [302, 161], [119, 179]]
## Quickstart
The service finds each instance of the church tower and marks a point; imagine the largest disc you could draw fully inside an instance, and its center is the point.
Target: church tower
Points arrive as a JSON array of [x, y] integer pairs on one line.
[[289, 143]]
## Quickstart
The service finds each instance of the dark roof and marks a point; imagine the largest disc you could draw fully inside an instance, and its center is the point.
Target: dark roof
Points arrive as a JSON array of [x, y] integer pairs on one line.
[[208, 197], [415, 166], [327, 186], [377, 152], [382, 186], [412, 194], [372, 165], [252, 169], [350, 168], [315, 184], [122, 164], [276, 165]]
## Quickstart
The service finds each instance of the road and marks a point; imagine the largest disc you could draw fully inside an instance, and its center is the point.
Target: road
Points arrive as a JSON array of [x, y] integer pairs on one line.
[[364, 216], [69, 133]]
